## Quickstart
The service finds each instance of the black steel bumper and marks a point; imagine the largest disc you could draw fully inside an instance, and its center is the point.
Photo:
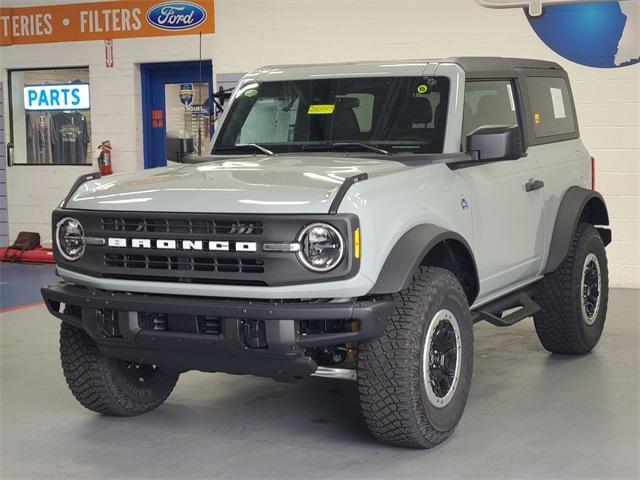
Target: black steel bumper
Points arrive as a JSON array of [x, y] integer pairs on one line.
[[216, 335]]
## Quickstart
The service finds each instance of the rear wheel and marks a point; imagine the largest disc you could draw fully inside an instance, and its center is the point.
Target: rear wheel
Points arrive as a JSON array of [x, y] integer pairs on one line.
[[574, 297], [414, 380], [107, 385]]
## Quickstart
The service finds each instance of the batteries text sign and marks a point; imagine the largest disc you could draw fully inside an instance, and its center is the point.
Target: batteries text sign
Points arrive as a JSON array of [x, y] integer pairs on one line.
[[104, 20]]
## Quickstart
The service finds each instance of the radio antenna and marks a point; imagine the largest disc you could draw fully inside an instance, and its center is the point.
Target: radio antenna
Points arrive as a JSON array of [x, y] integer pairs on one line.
[[199, 103]]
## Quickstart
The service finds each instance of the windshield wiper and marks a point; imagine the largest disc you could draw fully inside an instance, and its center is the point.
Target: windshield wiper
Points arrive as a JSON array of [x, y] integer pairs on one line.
[[338, 145], [244, 146]]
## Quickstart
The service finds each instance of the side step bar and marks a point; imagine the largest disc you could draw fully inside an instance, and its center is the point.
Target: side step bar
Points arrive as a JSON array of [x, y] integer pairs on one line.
[[339, 373], [494, 312]]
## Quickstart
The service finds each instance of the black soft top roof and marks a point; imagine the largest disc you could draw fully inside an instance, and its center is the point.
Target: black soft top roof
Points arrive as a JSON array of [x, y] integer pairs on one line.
[[485, 67], [474, 67]]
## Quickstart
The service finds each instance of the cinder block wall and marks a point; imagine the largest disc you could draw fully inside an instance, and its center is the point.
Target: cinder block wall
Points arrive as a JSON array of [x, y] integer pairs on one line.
[[250, 33]]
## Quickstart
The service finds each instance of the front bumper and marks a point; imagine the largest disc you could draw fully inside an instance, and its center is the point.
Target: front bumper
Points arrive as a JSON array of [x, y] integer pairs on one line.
[[216, 335], [358, 286]]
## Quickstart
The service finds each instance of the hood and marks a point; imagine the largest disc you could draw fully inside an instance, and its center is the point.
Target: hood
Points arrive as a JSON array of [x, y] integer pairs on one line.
[[274, 184]]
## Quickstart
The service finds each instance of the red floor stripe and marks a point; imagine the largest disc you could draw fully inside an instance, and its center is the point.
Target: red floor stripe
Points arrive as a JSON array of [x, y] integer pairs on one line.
[[21, 307]]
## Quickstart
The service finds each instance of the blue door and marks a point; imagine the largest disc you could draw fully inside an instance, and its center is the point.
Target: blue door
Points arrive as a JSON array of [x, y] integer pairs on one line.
[[175, 99]]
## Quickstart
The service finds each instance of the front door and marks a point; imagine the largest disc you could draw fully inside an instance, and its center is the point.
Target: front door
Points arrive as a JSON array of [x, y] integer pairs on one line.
[[176, 100], [508, 223]]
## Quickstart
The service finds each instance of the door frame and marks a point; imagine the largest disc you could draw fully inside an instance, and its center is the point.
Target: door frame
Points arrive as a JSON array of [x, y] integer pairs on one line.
[[167, 72]]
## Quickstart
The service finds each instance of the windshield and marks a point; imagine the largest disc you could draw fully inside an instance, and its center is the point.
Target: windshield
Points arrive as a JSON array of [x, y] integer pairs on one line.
[[399, 115]]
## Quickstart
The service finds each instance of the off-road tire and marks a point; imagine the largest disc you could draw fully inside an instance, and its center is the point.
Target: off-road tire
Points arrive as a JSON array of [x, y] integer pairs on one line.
[[393, 396], [107, 385], [560, 324]]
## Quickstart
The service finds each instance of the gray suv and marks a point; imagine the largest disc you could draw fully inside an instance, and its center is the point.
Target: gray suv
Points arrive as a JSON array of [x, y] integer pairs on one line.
[[352, 221]]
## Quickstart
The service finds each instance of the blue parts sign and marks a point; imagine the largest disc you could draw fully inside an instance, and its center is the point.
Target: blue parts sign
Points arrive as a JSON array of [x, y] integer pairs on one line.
[[176, 15], [73, 96]]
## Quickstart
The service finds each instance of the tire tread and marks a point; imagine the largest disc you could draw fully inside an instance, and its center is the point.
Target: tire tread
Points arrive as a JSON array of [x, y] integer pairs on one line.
[[558, 324], [91, 379], [386, 367]]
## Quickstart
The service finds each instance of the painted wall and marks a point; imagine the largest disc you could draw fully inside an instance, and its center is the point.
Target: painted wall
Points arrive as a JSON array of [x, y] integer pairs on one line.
[[250, 33], [4, 227]]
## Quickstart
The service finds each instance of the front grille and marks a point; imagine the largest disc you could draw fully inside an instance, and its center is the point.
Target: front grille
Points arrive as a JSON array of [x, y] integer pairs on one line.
[[200, 248], [180, 225], [185, 263]]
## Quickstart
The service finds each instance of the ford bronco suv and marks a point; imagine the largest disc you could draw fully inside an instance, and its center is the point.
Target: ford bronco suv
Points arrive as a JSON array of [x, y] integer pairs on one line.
[[350, 220]]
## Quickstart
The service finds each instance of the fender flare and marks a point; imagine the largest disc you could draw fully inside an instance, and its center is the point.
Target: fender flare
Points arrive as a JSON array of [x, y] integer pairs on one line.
[[577, 204], [411, 250]]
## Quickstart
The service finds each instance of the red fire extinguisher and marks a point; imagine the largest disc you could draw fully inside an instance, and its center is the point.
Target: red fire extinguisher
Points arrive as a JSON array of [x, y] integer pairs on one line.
[[104, 158]]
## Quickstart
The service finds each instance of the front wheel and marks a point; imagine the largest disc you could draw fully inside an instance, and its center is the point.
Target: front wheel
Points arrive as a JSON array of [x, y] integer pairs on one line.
[[107, 385], [414, 380]]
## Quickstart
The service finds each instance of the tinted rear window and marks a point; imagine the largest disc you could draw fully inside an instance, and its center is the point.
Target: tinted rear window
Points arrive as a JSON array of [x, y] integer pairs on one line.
[[551, 106]]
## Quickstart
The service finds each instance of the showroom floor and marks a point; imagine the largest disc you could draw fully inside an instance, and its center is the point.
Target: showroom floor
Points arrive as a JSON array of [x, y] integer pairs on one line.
[[19, 283], [530, 415]]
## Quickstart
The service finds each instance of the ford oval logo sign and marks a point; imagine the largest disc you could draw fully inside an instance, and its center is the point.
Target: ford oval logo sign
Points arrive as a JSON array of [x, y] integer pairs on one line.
[[176, 15]]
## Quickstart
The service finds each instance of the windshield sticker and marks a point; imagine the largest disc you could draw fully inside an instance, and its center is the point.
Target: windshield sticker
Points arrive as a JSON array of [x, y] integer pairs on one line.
[[321, 109], [422, 89], [251, 93]]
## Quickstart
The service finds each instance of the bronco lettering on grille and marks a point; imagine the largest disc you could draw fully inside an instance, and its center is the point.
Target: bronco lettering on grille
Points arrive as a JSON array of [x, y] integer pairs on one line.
[[200, 245]]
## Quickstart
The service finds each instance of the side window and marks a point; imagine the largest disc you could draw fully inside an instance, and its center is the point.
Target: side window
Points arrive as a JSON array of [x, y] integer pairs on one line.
[[550, 106], [488, 103]]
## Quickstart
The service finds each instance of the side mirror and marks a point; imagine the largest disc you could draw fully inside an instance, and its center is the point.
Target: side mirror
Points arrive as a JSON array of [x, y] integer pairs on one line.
[[178, 147], [495, 142]]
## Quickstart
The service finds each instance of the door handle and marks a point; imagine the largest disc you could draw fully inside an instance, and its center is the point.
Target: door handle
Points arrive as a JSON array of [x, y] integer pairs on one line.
[[9, 154], [532, 185]]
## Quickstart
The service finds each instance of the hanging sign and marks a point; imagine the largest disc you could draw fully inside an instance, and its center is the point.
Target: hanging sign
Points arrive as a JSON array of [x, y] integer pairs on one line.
[[69, 96], [108, 53], [104, 21]]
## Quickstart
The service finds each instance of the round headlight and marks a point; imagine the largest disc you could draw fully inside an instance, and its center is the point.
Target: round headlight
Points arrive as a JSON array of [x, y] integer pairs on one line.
[[70, 238], [321, 247]]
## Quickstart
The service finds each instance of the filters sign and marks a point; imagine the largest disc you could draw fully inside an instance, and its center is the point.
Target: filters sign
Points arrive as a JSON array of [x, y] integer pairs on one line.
[[104, 21]]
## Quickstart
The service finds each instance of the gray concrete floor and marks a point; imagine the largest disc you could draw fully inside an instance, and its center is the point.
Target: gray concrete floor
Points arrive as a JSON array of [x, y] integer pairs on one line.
[[530, 415]]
